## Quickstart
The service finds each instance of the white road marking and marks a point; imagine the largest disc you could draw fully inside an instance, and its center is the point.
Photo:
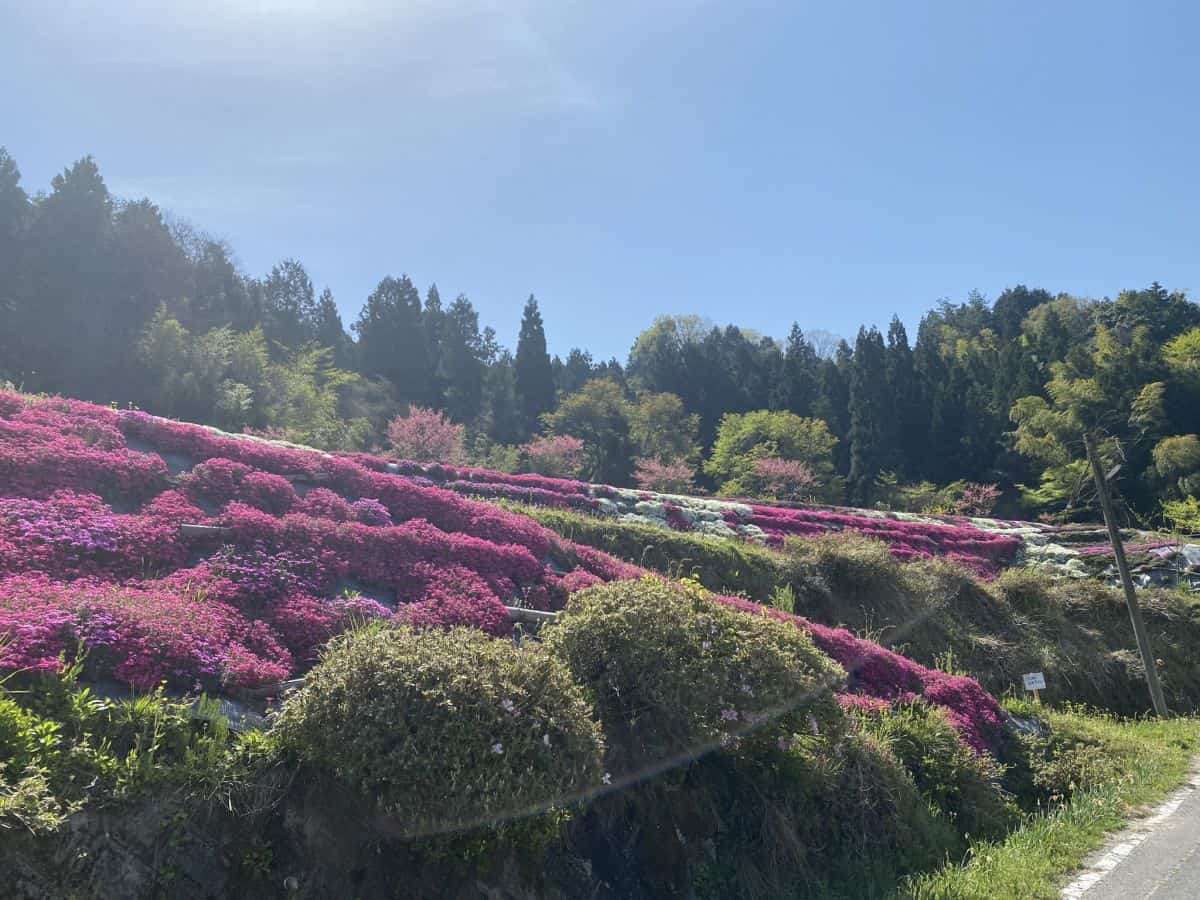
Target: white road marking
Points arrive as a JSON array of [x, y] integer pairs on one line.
[[1141, 830]]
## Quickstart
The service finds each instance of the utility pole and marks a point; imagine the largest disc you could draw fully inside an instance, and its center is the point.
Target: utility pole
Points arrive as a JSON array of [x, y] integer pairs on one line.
[[1135, 612]]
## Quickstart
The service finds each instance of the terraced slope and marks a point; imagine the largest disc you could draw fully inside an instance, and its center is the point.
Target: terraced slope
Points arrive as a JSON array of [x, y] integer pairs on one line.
[[173, 552]]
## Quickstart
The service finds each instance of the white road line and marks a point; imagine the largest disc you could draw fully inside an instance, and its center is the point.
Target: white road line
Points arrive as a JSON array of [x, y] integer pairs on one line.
[[1141, 830]]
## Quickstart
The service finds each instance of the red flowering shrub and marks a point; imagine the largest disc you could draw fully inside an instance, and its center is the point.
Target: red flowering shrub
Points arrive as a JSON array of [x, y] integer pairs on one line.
[[426, 435], [977, 499], [556, 455], [10, 404], [222, 480], [270, 492], [370, 512], [783, 479], [978, 550], [36, 460], [217, 479], [578, 580], [674, 477]]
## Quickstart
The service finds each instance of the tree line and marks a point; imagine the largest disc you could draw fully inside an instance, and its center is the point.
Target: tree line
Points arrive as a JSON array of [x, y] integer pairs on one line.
[[109, 300]]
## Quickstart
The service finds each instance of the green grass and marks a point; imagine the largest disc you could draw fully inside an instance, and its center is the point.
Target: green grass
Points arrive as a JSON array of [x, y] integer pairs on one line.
[[1147, 760]]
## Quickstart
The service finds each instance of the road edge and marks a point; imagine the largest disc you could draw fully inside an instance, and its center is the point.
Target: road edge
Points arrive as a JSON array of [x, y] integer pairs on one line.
[[1100, 863]]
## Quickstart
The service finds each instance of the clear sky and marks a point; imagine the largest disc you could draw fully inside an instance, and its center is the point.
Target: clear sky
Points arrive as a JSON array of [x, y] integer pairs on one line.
[[830, 163]]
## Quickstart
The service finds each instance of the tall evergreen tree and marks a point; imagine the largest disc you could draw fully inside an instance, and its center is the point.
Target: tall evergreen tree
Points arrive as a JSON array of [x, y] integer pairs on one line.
[[290, 305], [869, 413], [1013, 305], [391, 339], [574, 372], [15, 212], [797, 383], [219, 294], [70, 287], [461, 363], [832, 403], [328, 331], [905, 430], [433, 321], [503, 419], [535, 374]]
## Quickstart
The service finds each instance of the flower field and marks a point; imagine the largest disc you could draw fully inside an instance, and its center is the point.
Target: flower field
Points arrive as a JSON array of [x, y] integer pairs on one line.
[[294, 545], [982, 546]]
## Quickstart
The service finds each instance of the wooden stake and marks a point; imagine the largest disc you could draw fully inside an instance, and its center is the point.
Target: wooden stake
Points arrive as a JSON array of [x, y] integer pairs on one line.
[[1135, 612]]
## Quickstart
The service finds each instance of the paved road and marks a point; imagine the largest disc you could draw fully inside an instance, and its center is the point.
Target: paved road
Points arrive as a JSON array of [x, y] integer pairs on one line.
[[1158, 856]]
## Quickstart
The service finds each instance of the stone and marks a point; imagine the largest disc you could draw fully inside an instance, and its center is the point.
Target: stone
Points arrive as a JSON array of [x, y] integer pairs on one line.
[[607, 507], [651, 508]]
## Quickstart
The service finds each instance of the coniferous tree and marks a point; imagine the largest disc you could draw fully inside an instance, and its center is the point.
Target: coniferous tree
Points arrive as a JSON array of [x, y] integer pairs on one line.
[[869, 413], [290, 306], [15, 212], [832, 403], [907, 426], [462, 361], [391, 339], [1012, 306], [503, 419], [534, 372], [69, 293], [797, 382], [219, 295], [433, 322], [574, 372], [328, 331]]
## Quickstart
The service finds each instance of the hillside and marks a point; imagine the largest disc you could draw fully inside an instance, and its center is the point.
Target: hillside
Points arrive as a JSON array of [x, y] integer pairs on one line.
[[141, 556], [119, 515]]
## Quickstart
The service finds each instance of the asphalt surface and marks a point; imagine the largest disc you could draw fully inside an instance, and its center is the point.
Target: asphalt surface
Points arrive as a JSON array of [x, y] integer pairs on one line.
[[1158, 856]]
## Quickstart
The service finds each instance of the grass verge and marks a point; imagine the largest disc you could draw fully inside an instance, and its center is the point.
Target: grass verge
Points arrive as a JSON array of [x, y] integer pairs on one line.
[[1141, 762]]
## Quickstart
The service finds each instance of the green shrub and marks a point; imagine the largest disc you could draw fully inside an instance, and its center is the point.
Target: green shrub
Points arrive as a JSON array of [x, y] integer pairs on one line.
[[962, 784], [1063, 754], [673, 673], [827, 818], [31, 803], [23, 739], [1024, 589], [850, 563], [744, 438], [447, 730], [721, 565]]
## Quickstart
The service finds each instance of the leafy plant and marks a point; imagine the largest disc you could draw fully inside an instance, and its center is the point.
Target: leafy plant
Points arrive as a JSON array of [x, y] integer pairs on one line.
[[450, 729]]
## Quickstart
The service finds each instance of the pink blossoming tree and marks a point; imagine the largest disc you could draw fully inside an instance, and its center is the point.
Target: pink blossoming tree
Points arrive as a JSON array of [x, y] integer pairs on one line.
[[558, 455], [426, 435]]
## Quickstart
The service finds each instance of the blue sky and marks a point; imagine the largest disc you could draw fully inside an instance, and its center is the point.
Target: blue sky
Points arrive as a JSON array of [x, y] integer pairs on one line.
[[751, 162]]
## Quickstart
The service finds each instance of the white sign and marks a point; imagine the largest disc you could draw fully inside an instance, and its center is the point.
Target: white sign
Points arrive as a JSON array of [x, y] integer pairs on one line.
[[1034, 681]]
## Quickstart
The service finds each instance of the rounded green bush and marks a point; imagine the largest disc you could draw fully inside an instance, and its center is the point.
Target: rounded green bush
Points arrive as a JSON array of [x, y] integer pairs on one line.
[[963, 784], [447, 730], [674, 673]]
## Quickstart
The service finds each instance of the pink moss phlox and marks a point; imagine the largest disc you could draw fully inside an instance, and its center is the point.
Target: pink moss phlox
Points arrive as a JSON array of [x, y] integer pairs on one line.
[[305, 622], [138, 634], [877, 672], [451, 596], [36, 460], [77, 535]]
